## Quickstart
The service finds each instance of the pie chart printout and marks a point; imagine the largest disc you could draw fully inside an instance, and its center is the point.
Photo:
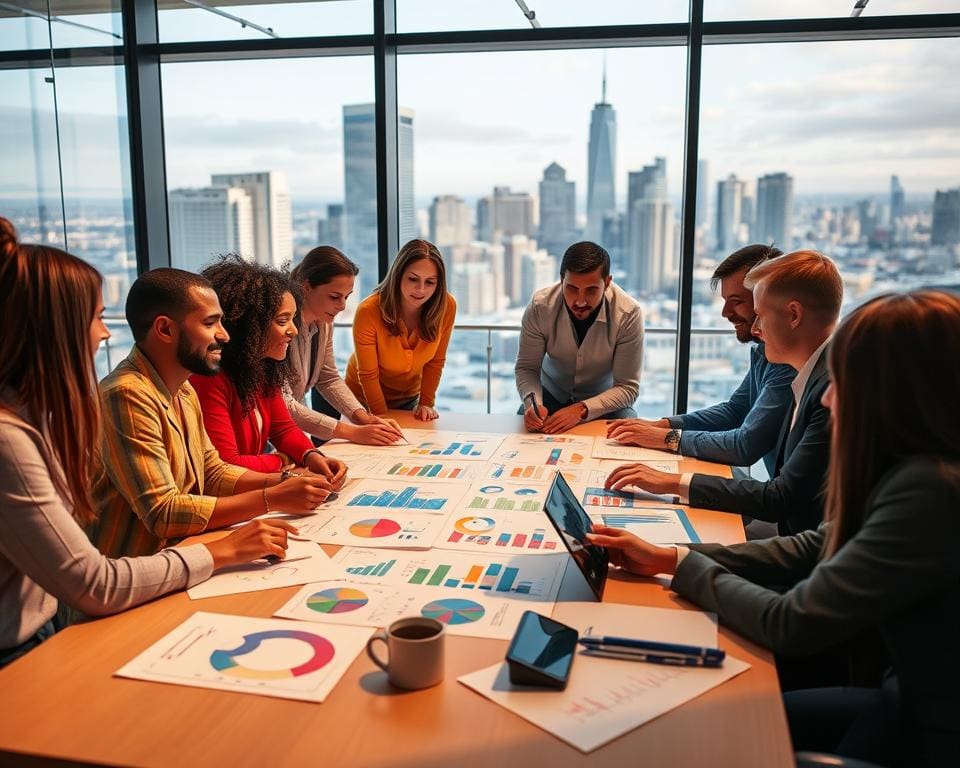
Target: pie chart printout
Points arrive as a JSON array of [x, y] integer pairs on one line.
[[225, 661], [337, 600], [375, 528], [453, 610]]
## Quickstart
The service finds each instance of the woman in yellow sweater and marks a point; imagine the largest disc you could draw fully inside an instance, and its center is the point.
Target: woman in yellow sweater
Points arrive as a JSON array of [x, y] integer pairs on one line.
[[400, 335]]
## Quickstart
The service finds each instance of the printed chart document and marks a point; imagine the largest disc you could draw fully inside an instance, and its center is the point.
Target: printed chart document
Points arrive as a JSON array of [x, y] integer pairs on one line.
[[603, 448], [541, 474], [520, 577], [415, 469], [496, 533], [402, 529], [556, 451], [427, 444], [480, 614], [606, 698], [501, 496], [396, 495], [658, 525], [269, 657], [305, 562]]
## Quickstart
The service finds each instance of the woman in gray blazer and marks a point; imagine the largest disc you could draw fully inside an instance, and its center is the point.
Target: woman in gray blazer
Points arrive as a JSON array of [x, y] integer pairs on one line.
[[884, 560]]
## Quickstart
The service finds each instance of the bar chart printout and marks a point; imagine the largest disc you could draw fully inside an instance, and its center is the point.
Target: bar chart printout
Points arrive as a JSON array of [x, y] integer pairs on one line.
[[478, 446], [380, 496], [497, 533], [654, 524]]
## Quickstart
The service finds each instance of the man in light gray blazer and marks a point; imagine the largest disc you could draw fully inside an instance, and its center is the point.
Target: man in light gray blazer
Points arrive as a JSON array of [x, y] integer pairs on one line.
[[581, 346]]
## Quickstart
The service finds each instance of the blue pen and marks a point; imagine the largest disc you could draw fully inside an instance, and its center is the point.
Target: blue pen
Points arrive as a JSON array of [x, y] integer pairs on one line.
[[622, 644], [656, 658], [532, 396]]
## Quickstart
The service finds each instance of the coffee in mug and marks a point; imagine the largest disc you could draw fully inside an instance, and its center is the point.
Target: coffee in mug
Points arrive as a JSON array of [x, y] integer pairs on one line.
[[414, 650]]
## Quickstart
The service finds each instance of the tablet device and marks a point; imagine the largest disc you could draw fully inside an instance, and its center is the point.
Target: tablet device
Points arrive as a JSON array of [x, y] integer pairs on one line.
[[573, 524], [541, 652]]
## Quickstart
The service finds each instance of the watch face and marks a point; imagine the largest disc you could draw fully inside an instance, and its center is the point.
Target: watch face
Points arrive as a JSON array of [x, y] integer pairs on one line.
[[672, 438]]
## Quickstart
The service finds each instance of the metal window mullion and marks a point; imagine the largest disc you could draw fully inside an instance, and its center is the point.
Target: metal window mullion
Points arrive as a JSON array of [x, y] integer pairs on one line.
[[388, 149], [145, 125], [691, 151]]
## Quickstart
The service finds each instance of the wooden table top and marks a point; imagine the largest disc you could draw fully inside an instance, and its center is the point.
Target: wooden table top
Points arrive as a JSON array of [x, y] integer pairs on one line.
[[62, 704]]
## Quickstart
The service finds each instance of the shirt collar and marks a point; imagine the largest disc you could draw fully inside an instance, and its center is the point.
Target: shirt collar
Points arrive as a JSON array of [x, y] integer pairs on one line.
[[803, 375], [139, 361]]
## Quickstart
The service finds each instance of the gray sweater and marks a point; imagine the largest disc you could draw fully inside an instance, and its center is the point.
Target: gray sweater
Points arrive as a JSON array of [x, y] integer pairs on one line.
[[44, 554]]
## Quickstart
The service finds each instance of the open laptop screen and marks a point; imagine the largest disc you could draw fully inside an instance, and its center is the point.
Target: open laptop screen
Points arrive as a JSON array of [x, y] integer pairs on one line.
[[573, 524]]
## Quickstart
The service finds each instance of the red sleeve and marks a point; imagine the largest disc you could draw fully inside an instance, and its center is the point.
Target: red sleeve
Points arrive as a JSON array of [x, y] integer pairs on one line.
[[217, 395], [285, 435]]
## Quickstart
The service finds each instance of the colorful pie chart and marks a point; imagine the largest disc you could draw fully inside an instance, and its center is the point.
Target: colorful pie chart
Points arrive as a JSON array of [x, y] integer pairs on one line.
[[225, 661], [526, 491], [492, 489], [375, 528], [337, 600], [471, 524], [453, 610]]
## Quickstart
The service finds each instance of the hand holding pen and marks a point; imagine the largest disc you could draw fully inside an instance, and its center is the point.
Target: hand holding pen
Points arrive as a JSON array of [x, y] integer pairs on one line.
[[534, 414]]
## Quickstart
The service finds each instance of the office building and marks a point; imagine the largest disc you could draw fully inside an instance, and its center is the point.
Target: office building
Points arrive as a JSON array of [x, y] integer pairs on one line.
[[330, 229], [207, 222], [703, 193], [506, 213], [450, 221], [270, 209], [897, 199], [601, 165], [558, 210], [537, 270], [729, 212], [774, 211], [515, 248], [946, 217], [649, 251]]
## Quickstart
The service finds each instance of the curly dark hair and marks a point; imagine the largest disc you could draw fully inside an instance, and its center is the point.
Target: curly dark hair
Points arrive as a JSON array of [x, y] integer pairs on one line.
[[250, 295]]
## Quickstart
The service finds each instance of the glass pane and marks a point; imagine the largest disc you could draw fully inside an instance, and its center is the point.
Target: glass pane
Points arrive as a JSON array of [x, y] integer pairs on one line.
[[727, 10], [433, 16], [184, 20], [269, 181], [24, 24], [850, 148]]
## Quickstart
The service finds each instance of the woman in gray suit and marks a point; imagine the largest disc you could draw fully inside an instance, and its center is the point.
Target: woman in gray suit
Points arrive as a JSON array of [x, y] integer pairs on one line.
[[885, 559]]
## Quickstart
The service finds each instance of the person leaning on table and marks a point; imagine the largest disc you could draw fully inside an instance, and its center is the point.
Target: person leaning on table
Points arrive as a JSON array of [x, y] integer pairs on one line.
[[49, 420], [886, 559]]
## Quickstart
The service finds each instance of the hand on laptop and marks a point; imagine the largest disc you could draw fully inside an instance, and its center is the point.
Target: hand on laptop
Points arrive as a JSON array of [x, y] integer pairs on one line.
[[632, 553]]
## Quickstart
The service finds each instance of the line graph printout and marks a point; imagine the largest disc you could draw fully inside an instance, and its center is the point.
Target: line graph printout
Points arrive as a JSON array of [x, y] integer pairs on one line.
[[269, 657], [522, 577], [496, 533], [374, 605], [305, 562], [380, 527]]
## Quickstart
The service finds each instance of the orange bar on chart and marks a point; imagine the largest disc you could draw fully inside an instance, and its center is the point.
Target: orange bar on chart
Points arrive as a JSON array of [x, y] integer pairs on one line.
[[474, 575]]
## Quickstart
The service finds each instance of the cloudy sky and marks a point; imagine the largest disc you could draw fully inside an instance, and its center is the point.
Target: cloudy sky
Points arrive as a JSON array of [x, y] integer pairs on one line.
[[840, 117]]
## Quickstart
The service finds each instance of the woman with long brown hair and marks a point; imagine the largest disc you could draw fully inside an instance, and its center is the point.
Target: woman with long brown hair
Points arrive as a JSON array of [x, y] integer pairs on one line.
[[885, 560], [401, 333], [49, 425]]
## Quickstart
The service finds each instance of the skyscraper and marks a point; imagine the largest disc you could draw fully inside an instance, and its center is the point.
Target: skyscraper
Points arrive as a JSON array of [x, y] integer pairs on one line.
[[270, 208], [505, 214], [449, 221], [330, 229], [360, 186], [207, 222], [896, 199], [558, 210], [729, 202], [601, 164], [775, 210], [703, 192], [649, 228], [946, 217]]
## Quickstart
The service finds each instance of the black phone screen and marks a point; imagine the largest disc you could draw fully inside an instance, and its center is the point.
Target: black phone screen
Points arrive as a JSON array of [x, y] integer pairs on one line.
[[544, 644]]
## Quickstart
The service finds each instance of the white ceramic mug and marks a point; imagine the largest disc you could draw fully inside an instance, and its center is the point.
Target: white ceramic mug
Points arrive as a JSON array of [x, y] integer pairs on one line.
[[415, 652]]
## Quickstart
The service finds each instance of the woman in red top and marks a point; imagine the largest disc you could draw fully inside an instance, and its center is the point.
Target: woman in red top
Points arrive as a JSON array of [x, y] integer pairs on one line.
[[243, 404]]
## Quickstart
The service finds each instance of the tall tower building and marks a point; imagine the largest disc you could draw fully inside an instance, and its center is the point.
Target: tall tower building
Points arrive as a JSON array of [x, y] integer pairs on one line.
[[450, 221], [601, 164], [729, 213], [558, 210], [270, 208], [774, 210], [703, 192], [207, 222], [897, 196], [946, 217], [649, 227], [407, 208], [505, 214]]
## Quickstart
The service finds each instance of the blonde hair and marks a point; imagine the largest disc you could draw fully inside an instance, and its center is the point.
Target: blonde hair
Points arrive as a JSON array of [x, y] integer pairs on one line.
[[51, 369], [431, 314], [809, 277]]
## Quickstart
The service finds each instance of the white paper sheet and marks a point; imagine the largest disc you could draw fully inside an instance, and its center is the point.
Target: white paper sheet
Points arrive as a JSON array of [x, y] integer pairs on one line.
[[494, 532], [305, 562], [269, 657], [520, 577], [658, 525], [500, 496], [556, 451], [414, 470], [396, 495], [605, 698], [543, 475], [346, 602], [396, 529], [611, 449], [426, 444]]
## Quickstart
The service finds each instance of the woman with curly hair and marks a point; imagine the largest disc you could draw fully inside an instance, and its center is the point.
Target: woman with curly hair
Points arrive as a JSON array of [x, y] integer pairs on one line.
[[324, 280], [243, 404], [49, 426], [400, 335]]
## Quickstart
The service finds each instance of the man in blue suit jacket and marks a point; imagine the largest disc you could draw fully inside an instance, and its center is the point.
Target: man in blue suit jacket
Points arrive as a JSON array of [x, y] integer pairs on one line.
[[797, 301], [745, 428]]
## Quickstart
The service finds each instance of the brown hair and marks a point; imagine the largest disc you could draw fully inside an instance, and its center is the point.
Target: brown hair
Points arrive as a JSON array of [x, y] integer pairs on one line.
[[809, 277], [895, 368], [432, 312], [321, 265], [744, 258], [51, 369]]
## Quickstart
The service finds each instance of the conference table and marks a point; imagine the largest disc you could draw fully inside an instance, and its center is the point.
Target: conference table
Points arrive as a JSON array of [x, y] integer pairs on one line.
[[62, 705]]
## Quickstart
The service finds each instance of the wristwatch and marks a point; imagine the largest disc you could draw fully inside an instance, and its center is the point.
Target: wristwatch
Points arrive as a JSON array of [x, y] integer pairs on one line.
[[672, 440]]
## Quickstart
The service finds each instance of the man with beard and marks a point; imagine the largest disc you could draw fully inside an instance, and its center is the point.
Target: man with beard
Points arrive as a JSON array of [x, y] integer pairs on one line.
[[581, 346], [161, 477], [745, 428]]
